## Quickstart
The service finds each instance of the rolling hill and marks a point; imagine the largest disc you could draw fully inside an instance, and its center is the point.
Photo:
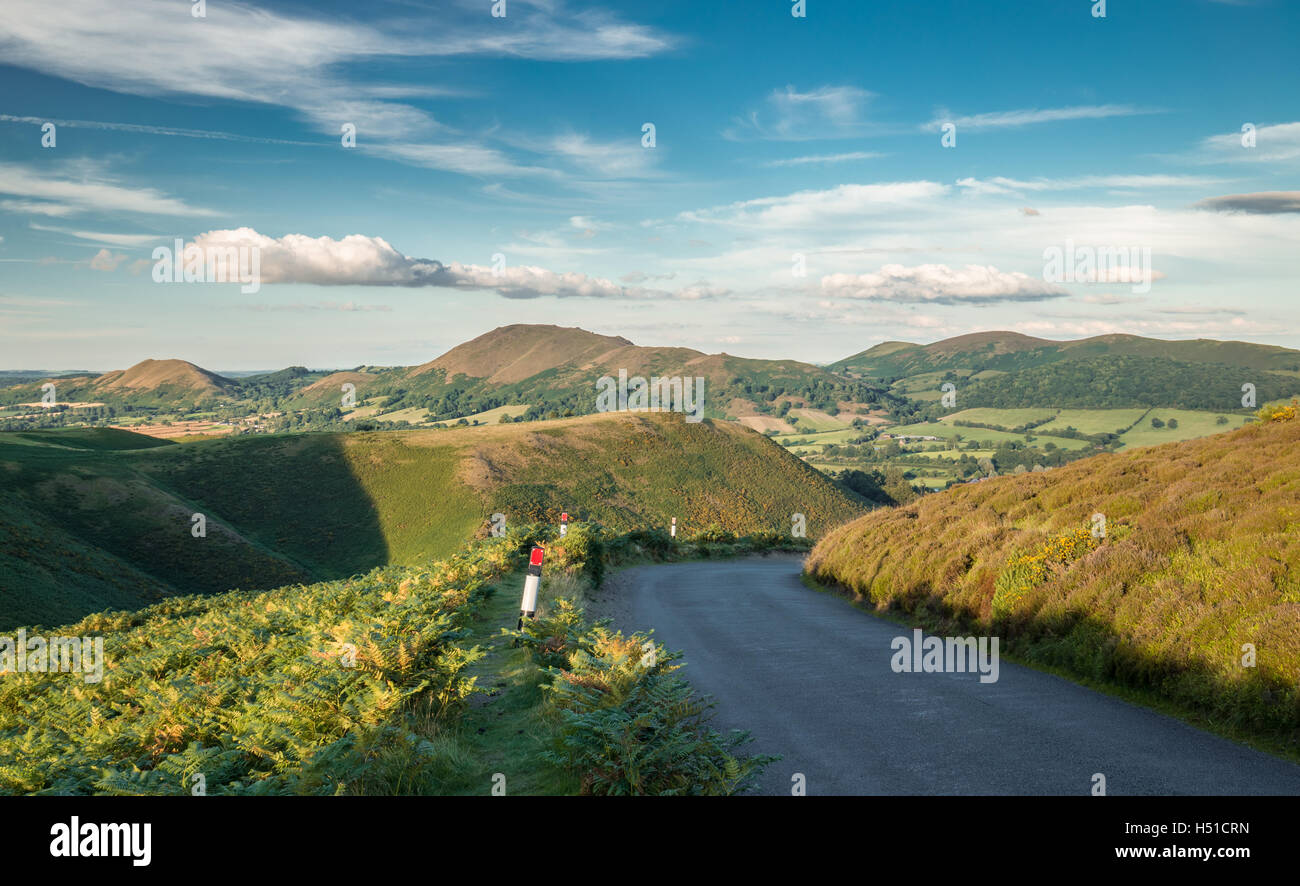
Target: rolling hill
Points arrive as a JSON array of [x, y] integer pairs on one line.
[[151, 381], [556, 369], [1012, 351], [1120, 381], [1200, 558], [86, 528]]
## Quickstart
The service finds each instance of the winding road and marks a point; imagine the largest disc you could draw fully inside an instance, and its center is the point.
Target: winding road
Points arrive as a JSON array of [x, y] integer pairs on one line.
[[809, 675]]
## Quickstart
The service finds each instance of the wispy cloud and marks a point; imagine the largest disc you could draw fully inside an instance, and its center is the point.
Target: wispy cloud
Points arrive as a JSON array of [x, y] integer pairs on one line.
[[824, 159], [1002, 185], [245, 54], [791, 115], [86, 190], [1272, 144], [1032, 116], [101, 238]]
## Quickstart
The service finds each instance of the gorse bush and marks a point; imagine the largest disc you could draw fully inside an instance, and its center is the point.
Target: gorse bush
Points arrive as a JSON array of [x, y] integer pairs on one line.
[[1279, 411], [1028, 571], [629, 724]]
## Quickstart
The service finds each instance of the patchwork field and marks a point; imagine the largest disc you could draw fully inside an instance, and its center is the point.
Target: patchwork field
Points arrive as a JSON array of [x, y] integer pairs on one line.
[[1094, 421], [1191, 424], [1002, 418]]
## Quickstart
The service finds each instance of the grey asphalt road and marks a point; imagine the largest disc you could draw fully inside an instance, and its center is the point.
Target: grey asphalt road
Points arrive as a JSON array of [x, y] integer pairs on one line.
[[809, 675]]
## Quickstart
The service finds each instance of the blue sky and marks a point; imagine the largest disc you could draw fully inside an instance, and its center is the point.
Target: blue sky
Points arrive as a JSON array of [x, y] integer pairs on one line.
[[798, 200]]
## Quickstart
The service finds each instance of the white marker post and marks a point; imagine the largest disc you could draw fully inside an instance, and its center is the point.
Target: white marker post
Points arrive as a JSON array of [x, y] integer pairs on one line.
[[564, 525], [528, 606], [672, 530]]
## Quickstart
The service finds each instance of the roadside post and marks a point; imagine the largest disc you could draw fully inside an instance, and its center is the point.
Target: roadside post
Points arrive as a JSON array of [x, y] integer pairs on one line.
[[528, 605], [672, 530], [564, 524]]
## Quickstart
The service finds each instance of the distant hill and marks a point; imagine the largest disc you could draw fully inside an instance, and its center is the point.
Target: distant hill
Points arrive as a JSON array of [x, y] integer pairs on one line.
[[513, 353], [149, 381], [1121, 380], [1011, 352], [1200, 556], [556, 368], [87, 529]]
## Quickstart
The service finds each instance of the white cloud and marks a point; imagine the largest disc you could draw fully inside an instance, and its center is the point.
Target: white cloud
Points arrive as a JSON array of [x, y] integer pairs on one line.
[[1275, 143], [1002, 185], [126, 240], [106, 261], [92, 190], [791, 115], [940, 284], [1031, 116], [811, 208], [242, 53], [824, 159], [620, 159], [359, 260]]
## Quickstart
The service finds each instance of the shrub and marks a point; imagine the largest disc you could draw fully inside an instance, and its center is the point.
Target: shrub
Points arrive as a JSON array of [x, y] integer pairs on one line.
[[629, 725]]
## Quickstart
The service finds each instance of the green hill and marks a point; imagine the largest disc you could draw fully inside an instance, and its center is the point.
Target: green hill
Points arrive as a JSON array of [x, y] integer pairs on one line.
[[1125, 381], [1012, 352], [1200, 556], [554, 369], [82, 530]]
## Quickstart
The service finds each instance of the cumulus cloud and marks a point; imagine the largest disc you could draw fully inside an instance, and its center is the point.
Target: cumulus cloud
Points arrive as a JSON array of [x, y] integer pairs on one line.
[[941, 284], [360, 260], [106, 261], [1260, 203]]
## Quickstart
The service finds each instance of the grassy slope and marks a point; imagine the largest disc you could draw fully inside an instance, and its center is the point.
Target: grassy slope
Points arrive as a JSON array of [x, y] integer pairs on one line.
[[1011, 351], [1202, 556], [86, 530]]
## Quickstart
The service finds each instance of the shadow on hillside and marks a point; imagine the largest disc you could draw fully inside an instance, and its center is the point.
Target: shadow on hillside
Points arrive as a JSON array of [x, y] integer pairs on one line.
[[297, 496], [88, 531]]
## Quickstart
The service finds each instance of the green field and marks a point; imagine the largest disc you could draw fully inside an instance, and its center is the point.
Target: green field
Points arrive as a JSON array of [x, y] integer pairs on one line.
[[1002, 418], [984, 436], [1191, 424], [816, 420], [954, 454], [820, 439], [1093, 421]]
